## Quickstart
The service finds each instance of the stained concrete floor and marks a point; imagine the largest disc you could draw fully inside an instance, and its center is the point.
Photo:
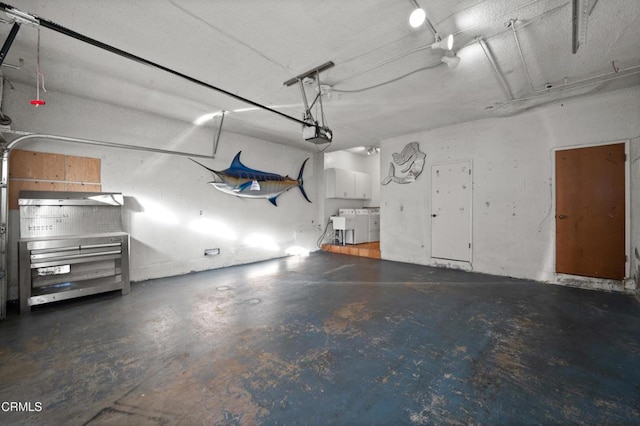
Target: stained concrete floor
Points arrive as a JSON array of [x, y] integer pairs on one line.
[[327, 339]]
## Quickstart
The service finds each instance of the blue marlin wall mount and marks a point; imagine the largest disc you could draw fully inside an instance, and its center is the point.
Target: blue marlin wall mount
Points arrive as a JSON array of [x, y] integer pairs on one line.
[[241, 181]]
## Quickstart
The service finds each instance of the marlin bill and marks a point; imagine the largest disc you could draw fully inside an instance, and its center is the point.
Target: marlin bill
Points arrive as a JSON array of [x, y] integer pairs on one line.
[[241, 181]]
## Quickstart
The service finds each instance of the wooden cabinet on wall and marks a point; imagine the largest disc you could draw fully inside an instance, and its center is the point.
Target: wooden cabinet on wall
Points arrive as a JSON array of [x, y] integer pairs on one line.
[[42, 171], [342, 183]]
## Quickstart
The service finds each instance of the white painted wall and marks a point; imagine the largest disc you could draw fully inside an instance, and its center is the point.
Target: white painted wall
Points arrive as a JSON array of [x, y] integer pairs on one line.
[[513, 217], [165, 194]]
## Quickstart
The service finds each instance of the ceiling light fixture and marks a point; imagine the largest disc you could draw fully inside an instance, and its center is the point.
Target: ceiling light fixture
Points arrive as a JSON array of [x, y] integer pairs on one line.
[[451, 61], [444, 44], [417, 17], [373, 150]]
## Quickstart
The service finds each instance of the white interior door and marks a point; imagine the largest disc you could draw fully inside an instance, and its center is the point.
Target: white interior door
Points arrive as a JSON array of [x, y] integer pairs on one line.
[[451, 211]]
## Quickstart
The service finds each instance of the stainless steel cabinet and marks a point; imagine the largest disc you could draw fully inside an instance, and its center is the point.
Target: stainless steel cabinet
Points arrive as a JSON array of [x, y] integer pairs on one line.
[[71, 244]]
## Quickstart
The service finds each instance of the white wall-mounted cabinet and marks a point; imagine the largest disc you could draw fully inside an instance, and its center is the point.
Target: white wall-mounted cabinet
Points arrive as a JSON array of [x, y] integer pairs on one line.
[[340, 183], [362, 185], [350, 184]]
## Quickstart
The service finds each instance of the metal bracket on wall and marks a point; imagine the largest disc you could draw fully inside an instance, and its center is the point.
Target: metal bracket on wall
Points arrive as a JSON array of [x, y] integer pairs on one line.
[[217, 140], [310, 73]]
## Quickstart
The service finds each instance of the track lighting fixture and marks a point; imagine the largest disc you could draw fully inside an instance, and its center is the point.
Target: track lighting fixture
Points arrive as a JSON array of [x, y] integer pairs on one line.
[[444, 44], [451, 61], [417, 17]]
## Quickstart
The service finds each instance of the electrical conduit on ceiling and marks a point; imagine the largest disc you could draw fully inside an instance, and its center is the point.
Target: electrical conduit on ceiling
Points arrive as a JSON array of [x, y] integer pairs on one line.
[[618, 73]]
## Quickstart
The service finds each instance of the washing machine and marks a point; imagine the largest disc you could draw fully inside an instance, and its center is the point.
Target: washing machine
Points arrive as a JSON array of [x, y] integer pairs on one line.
[[361, 226], [374, 224]]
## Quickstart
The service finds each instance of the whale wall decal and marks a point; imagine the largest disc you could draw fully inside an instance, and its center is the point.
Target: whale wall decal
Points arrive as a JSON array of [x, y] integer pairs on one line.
[[241, 181]]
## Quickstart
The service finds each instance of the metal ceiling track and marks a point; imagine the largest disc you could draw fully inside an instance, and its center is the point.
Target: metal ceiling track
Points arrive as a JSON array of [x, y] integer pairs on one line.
[[11, 145], [8, 42], [22, 17], [311, 73], [321, 133]]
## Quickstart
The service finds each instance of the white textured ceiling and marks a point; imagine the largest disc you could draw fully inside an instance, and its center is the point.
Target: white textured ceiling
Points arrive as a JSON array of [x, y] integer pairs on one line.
[[386, 80]]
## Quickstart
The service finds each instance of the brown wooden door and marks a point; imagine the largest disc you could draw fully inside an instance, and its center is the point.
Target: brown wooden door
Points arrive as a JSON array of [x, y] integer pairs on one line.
[[590, 211]]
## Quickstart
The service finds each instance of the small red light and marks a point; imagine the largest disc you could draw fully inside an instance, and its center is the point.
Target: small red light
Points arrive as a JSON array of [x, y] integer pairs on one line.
[[37, 102]]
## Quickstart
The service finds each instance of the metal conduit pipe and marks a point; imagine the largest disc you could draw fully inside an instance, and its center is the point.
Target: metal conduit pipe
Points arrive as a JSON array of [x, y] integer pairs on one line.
[[512, 23], [378, 65], [597, 78], [21, 139], [4, 192], [428, 46], [494, 67], [602, 78]]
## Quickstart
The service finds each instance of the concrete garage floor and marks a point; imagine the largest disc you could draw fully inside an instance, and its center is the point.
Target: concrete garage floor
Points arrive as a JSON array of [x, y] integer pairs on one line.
[[328, 339]]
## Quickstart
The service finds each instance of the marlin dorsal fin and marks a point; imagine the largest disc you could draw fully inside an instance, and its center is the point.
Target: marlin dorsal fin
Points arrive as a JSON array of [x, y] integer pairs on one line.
[[236, 163]]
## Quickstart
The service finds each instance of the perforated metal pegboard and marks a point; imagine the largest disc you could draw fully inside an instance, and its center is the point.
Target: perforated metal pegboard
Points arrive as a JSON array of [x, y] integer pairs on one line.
[[57, 216]]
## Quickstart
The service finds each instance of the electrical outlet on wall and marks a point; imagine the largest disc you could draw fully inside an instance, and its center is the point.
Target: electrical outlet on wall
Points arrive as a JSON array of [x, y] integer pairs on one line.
[[212, 252]]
